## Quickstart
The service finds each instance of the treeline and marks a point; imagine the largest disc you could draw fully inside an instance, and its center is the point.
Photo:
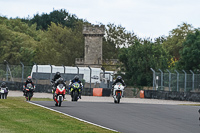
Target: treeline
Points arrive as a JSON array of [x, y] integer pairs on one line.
[[57, 39]]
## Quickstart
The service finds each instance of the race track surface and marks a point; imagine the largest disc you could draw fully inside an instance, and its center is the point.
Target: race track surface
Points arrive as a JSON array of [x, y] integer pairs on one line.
[[133, 117]]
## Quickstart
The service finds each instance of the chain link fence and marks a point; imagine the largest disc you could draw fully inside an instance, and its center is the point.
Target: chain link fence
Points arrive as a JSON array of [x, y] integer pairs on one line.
[[176, 81], [175, 85], [16, 75]]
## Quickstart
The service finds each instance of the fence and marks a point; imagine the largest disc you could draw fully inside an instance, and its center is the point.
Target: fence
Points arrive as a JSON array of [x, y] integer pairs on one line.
[[176, 81], [15, 76], [175, 85]]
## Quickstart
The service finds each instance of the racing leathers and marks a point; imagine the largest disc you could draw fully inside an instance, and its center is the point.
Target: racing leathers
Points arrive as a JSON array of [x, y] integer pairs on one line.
[[81, 86], [28, 82]]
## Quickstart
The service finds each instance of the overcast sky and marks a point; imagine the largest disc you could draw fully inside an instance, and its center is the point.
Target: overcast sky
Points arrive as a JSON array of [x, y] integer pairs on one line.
[[146, 18]]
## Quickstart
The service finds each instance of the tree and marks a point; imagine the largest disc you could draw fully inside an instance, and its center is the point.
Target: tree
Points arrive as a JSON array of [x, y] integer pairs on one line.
[[119, 36], [59, 45], [139, 58], [15, 46], [175, 40], [190, 54], [56, 16]]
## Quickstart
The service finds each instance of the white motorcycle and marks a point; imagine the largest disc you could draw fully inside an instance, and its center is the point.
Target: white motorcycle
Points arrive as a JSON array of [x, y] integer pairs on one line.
[[59, 94], [3, 92], [118, 92]]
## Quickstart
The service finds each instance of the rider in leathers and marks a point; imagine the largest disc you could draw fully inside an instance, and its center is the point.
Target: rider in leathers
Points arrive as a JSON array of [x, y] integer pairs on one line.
[[119, 79], [56, 77], [60, 81], [29, 80], [57, 82], [3, 85], [76, 79]]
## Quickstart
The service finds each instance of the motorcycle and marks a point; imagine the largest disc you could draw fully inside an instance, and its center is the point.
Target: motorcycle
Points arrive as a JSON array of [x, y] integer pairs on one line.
[[75, 89], [118, 92], [59, 94], [3, 93], [29, 91]]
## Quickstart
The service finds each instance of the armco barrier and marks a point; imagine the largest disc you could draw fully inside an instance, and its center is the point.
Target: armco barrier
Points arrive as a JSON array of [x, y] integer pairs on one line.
[[106, 92], [97, 91], [87, 92], [172, 95], [141, 94], [101, 92]]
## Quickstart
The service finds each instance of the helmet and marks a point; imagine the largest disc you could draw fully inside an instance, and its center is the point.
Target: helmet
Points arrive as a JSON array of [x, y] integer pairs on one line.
[[3, 84], [58, 73], [119, 77], [76, 77], [29, 78]]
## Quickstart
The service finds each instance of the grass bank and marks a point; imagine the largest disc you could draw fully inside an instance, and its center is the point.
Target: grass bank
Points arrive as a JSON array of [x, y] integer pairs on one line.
[[18, 116]]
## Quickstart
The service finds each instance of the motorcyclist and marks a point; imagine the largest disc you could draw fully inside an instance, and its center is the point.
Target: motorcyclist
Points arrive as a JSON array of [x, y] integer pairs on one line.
[[3, 85], [29, 80], [76, 79], [118, 79], [60, 81], [56, 77]]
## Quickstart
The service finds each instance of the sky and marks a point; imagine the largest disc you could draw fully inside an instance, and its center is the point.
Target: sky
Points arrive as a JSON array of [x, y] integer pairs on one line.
[[146, 18]]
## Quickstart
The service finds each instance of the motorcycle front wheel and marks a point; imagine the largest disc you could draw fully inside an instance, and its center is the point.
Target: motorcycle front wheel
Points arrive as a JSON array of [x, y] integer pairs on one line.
[[75, 96], [60, 101], [29, 96]]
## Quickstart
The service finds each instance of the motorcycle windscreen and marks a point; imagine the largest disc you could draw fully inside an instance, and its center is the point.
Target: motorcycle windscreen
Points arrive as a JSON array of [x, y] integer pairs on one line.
[[29, 85]]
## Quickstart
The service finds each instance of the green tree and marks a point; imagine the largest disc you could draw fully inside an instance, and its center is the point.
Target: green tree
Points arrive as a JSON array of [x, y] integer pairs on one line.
[[190, 54], [59, 45], [119, 36], [174, 41], [139, 58], [15, 46], [56, 16]]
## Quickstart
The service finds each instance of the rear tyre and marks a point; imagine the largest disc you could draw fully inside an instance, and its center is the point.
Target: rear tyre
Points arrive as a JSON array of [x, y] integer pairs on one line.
[[118, 98]]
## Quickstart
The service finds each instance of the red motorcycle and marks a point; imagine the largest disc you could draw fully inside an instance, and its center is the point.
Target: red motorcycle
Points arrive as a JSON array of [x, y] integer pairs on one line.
[[59, 94]]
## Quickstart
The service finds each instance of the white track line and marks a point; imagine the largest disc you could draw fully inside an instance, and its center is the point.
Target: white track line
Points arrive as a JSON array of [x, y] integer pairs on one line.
[[72, 116]]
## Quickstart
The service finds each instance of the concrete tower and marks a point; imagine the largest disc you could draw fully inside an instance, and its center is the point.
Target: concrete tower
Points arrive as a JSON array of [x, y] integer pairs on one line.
[[93, 35]]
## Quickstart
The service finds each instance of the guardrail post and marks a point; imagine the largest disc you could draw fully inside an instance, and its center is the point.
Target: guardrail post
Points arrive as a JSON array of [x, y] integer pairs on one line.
[[51, 72], [22, 72], [161, 79], [90, 75], [77, 70], [192, 80], [169, 80], [64, 72], [185, 81], [36, 73], [177, 88], [64, 68], [6, 69], [154, 78]]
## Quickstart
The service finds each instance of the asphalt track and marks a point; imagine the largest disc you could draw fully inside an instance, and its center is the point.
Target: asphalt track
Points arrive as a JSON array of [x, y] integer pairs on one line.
[[134, 117]]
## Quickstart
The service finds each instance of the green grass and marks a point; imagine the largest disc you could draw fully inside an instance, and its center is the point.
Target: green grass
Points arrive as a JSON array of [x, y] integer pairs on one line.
[[19, 116]]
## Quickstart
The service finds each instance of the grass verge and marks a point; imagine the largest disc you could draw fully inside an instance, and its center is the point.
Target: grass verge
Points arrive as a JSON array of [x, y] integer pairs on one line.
[[18, 116]]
